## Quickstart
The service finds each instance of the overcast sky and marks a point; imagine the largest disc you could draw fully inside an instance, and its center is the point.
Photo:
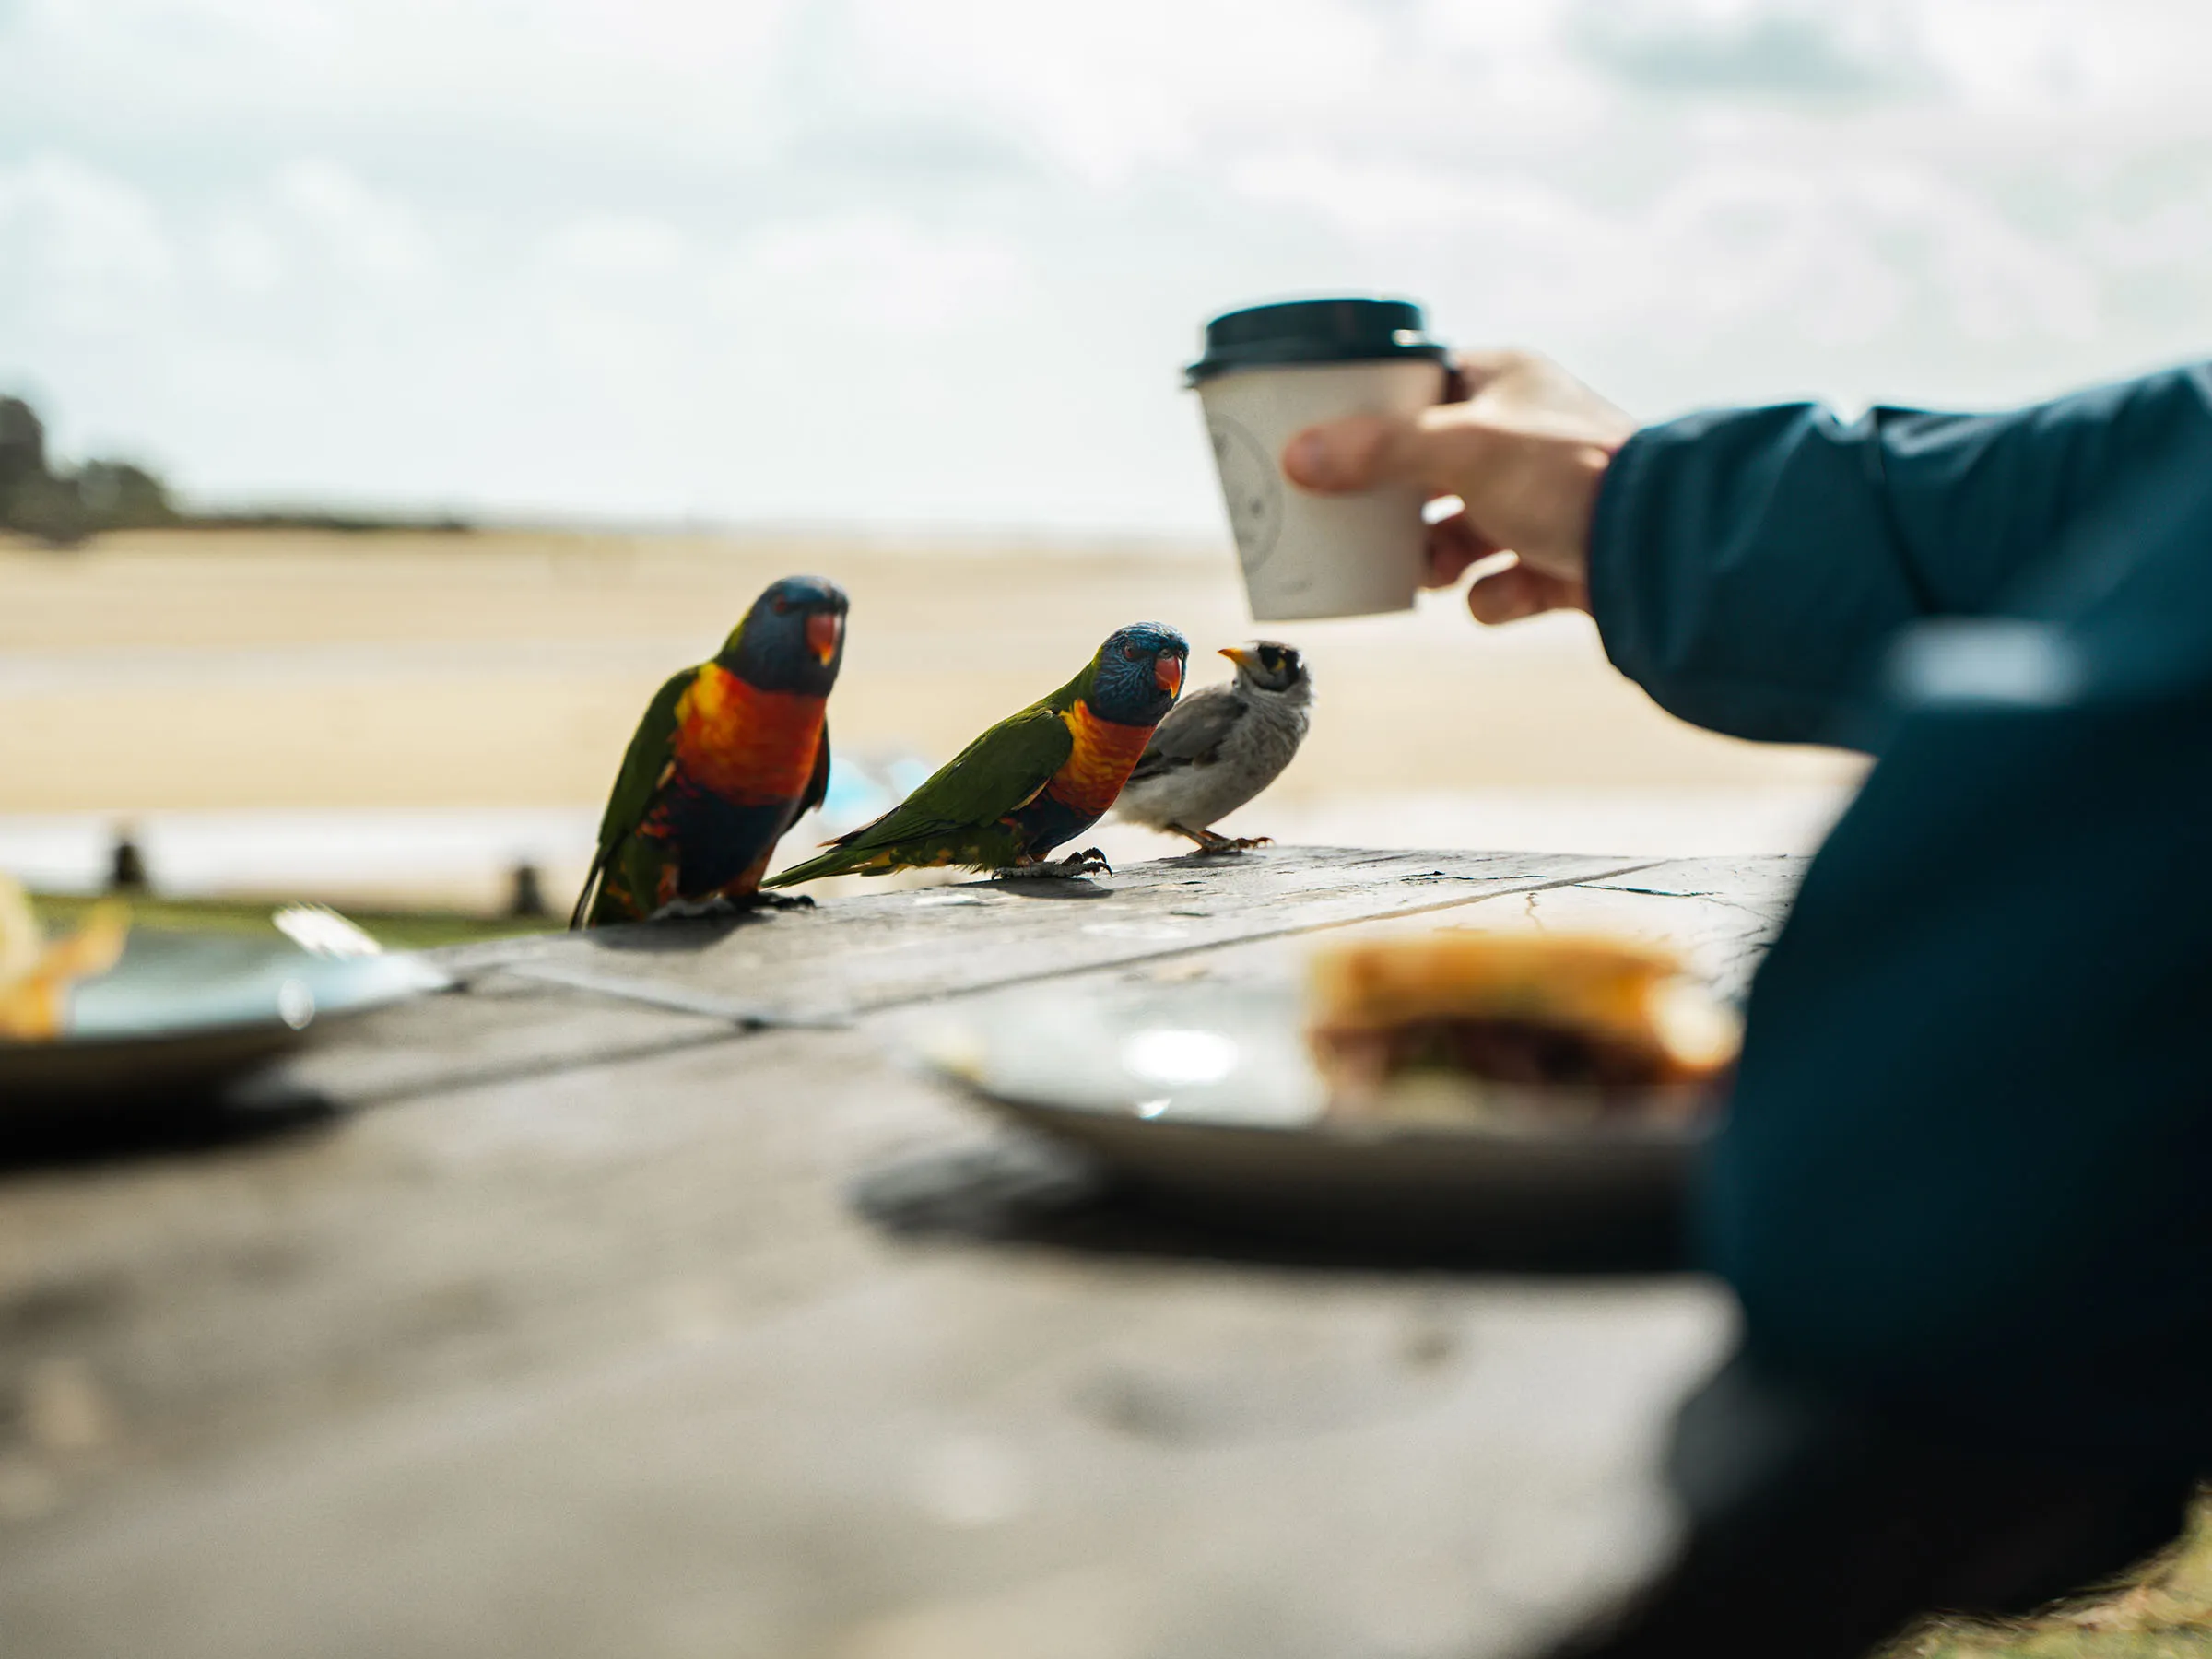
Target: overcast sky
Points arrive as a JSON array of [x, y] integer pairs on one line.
[[937, 262]]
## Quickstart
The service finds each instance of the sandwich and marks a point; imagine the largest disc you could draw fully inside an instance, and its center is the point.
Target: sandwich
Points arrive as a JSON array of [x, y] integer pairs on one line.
[[1587, 1013]]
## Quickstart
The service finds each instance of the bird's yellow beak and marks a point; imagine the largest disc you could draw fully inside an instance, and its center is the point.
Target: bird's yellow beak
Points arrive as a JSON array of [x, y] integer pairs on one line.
[[1167, 673], [823, 630], [1236, 654]]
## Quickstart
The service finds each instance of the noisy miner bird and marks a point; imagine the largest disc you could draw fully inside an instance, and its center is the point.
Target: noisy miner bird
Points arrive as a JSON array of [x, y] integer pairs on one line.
[[1033, 781], [1221, 747], [728, 756]]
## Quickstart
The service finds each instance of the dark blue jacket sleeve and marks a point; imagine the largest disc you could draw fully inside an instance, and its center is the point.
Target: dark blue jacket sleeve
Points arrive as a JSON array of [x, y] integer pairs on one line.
[[1747, 567], [1964, 1170]]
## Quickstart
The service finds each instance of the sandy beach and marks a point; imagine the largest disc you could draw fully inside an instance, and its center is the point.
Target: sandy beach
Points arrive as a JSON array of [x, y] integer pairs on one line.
[[266, 673]]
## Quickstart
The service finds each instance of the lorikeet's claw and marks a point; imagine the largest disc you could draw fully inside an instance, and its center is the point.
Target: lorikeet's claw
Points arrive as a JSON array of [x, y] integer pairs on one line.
[[1089, 862], [782, 902], [724, 904], [1210, 842]]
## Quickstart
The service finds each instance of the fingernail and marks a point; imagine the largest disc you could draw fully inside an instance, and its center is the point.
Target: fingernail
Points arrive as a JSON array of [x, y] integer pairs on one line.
[[1306, 458]]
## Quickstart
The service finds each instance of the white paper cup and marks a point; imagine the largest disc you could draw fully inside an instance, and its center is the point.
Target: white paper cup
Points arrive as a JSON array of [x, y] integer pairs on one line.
[[1308, 555]]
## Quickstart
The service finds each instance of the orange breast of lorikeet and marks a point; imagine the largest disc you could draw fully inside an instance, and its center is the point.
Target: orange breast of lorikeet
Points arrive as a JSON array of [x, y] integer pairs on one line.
[[1104, 755], [745, 744]]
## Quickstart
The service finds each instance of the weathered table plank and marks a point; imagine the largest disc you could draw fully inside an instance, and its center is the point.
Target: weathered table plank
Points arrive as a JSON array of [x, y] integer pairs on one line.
[[577, 1343], [505, 1027], [875, 951]]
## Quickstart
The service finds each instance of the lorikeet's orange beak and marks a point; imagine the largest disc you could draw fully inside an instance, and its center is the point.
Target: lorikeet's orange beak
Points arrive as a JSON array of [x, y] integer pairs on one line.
[[1167, 672], [822, 631], [1236, 654]]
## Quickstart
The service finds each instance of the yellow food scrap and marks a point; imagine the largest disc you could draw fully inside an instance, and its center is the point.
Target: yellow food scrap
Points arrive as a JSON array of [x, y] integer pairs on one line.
[[36, 975]]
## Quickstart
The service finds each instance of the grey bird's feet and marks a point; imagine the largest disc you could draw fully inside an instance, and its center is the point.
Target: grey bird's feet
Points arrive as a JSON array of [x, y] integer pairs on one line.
[[1210, 842], [1089, 862]]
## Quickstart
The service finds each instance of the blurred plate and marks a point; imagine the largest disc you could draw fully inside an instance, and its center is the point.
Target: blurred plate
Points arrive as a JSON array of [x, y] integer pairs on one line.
[[184, 1012], [1205, 1095]]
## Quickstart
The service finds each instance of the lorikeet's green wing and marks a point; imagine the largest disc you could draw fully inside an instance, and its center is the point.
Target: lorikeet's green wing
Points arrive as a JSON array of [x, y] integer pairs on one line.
[[1000, 770], [651, 749]]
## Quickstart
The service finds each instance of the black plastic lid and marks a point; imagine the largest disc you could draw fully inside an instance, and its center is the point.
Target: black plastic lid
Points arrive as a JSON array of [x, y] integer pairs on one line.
[[1314, 331]]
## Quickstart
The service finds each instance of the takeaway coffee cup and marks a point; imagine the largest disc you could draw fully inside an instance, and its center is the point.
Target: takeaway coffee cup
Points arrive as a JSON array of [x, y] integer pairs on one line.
[[1267, 372]]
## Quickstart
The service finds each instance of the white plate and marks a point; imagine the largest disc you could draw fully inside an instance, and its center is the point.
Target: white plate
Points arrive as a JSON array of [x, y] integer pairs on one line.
[[1205, 1094], [185, 1012]]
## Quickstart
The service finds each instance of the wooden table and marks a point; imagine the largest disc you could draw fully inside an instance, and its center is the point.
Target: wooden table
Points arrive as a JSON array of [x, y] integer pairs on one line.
[[642, 1302]]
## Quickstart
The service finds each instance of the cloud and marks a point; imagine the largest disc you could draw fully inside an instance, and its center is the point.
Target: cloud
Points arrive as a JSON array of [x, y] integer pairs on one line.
[[2057, 61], [245, 257], [874, 272], [618, 246], [360, 230], [1772, 48], [1839, 253], [75, 223], [1110, 92]]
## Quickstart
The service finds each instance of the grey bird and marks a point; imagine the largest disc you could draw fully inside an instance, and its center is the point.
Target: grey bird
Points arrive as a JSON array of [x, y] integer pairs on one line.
[[1220, 747]]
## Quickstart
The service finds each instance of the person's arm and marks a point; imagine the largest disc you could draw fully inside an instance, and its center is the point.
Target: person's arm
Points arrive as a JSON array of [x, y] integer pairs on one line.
[[1748, 566]]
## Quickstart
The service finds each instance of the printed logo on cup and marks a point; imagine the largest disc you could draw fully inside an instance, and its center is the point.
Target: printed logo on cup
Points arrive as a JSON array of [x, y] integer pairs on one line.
[[1251, 489]]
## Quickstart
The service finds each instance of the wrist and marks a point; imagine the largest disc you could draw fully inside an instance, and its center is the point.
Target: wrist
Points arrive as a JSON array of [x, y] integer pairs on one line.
[[1606, 533]]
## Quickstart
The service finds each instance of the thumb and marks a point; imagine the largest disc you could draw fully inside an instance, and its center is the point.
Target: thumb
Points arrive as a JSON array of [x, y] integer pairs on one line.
[[1362, 450], [1338, 454]]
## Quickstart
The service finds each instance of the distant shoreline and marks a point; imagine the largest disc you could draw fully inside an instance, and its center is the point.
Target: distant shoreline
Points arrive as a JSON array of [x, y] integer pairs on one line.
[[343, 523], [490, 535]]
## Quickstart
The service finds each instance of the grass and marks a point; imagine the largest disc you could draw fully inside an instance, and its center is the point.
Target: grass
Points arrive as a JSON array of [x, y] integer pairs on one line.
[[2163, 1612], [402, 930]]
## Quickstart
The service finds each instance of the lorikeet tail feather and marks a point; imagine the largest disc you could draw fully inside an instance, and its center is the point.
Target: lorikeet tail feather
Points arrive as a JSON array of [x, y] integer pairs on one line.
[[837, 860], [592, 882]]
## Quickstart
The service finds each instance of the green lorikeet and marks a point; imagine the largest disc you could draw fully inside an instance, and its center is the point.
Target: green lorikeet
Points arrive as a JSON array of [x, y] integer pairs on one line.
[[1031, 781], [727, 757]]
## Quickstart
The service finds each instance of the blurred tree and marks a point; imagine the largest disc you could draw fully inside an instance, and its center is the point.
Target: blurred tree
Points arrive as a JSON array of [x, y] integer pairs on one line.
[[22, 444], [62, 509], [119, 496], [47, 509]]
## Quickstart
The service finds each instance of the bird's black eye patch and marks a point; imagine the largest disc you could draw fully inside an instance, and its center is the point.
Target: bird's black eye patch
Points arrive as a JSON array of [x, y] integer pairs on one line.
[[1131, 652]]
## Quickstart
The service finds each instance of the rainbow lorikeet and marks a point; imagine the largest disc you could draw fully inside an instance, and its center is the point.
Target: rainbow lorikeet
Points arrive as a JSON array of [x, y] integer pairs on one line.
[[1031, 781], [727, 757]]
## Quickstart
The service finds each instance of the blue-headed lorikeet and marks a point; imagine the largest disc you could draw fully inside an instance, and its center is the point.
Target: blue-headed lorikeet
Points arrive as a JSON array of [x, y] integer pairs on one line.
[[1031, 781], [727, 757]]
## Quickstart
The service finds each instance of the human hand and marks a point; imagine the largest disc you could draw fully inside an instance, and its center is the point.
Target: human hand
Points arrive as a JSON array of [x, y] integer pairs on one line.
[[1523, 446]]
